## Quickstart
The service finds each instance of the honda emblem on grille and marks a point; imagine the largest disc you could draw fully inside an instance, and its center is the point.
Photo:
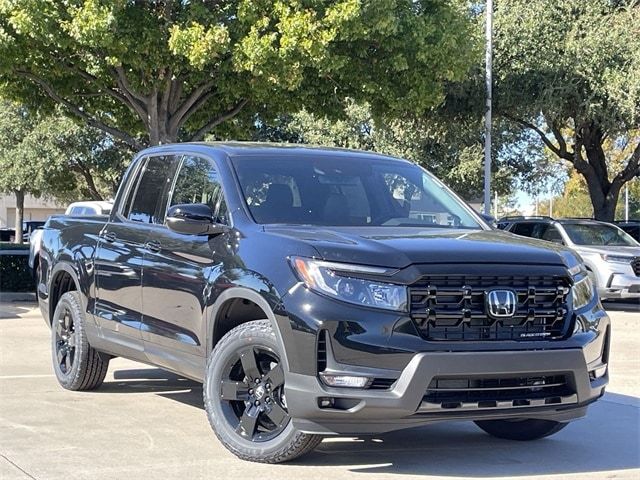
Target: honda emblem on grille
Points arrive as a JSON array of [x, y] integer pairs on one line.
[[501, 303]]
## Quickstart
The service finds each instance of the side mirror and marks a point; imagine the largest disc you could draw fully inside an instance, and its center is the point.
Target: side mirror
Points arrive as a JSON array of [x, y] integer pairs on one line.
[[193, 219]]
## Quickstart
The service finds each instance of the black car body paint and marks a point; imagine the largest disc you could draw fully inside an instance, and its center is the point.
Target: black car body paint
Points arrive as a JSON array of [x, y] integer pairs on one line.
[[161, 297]]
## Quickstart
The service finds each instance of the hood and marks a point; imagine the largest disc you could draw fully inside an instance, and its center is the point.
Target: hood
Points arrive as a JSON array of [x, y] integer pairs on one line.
[[400, 247], [607, 249]]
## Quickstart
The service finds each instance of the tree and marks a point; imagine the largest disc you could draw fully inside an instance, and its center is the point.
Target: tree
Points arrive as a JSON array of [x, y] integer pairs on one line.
[[570, 73], [28, 164], [149, 72], [93, 159], [52, 156]]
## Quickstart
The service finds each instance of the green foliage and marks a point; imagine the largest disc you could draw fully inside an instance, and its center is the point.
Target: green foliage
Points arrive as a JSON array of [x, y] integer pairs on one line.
[[27, 162], [570, 72], [15, 275], [50, 155], [157, 71], [94, 163], [13, 246], [568, 59]]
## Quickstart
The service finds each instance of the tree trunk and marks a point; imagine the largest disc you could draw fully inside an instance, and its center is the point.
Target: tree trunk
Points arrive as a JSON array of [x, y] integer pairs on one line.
[[159, 136], [82, 169], [603, 194], [19, 214]]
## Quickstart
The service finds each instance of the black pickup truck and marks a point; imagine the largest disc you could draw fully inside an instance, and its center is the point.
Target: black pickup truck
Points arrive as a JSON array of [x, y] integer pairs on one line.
[[319, 292]]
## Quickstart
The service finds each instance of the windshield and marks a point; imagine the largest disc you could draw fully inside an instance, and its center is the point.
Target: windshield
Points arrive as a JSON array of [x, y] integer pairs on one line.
[[347, 191], [598, 234]]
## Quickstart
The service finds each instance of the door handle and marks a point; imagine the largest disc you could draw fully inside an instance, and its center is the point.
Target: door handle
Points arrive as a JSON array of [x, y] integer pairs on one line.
[[153, 246], [109, 237]]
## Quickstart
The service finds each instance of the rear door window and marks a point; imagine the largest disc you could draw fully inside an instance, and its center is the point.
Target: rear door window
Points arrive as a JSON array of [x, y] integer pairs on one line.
[[525, 229], [147, 202]]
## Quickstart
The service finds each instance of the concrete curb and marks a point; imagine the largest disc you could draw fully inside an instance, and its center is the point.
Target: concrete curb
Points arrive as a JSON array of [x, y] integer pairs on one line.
[[11, 297]]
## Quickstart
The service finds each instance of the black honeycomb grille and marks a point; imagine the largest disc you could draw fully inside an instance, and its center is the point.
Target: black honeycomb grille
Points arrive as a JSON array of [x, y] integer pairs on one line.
[[453, 308]]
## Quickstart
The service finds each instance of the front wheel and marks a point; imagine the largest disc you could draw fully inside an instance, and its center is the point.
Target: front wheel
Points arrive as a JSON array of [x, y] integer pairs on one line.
[[523, 430], [244, 397]]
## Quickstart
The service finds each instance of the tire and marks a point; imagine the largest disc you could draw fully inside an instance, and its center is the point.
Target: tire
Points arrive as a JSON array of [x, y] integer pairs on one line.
[[252, 422], [76, 364], [521, 430]]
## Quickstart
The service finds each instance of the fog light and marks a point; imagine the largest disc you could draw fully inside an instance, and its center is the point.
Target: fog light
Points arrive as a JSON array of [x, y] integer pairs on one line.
[[599, 372], [346, 381], [326, 402], [579, 327]]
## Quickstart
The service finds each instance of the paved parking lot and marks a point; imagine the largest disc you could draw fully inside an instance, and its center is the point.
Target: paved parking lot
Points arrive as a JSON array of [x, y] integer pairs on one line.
[[146, 423]]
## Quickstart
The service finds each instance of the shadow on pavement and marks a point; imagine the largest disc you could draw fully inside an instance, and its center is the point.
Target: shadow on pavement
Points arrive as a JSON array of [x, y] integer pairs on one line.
[[607, 439], [152, 380], [12, 310]]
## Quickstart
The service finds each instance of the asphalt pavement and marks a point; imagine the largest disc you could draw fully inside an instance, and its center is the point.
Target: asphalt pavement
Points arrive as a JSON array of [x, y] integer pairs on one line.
[[144, 423]]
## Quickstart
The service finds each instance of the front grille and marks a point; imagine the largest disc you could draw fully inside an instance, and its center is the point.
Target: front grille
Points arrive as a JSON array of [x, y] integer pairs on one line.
[[635, 264], [452, 308], [484, 393]]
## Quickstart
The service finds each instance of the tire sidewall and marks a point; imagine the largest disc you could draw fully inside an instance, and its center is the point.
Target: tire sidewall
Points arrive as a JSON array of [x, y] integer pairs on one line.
[[70, 301], [239, 338]]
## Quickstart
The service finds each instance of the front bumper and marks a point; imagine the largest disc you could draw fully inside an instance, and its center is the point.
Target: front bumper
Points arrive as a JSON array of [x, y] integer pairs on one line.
[[361, 411], [620, 285]]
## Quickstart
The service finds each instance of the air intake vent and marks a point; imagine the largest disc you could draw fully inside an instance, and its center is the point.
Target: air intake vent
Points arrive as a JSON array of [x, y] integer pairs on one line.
[[382, 383], [322, 351], [461, 390], [635, 264]]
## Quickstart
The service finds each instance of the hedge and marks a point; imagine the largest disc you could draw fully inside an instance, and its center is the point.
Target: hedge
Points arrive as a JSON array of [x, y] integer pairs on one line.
[[15, 274]]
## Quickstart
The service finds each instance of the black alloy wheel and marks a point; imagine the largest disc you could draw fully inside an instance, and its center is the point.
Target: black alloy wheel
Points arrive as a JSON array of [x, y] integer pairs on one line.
[[65, 342], [244, 397], [252, 390]]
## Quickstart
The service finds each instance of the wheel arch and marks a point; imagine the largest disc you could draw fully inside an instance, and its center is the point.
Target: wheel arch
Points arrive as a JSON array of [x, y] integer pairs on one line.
[[218, 326], [64, 278]]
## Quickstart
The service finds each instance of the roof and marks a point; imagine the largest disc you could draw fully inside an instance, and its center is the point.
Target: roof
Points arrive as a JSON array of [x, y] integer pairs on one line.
[[92, 203], [544, 219], [268, 148]]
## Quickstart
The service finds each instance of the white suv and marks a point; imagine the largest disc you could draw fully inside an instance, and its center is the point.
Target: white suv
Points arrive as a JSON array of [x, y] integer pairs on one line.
[[611, 256]]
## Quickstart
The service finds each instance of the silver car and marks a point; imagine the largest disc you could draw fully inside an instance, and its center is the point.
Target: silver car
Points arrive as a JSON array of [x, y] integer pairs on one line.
[[611, 256]]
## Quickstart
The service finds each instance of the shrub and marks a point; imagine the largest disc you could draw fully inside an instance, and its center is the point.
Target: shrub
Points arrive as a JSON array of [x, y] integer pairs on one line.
[[15, 274]]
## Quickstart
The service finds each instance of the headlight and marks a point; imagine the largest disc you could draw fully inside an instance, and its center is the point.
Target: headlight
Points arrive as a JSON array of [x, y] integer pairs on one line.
[[333, 279], [582, 292], [616, 258]]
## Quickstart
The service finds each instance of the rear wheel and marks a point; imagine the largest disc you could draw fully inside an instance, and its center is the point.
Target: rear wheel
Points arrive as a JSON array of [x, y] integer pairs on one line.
[[245, 401], [523, 430], [76, 364]]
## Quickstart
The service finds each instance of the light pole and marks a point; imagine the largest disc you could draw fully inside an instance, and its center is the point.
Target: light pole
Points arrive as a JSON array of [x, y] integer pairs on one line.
[[487, 112], [626, 203]]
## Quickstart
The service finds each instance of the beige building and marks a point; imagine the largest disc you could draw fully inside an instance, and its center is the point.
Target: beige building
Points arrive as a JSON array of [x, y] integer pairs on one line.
[[34, 209]]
